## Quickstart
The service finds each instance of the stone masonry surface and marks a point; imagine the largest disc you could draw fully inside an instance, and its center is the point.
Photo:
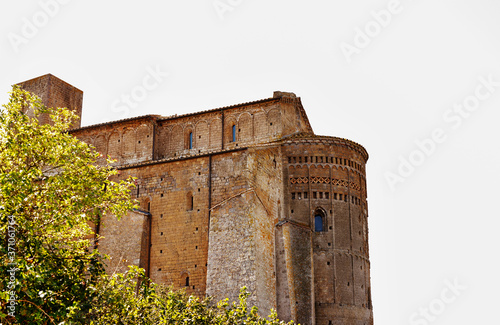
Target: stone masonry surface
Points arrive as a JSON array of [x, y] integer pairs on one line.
[[244, 195]]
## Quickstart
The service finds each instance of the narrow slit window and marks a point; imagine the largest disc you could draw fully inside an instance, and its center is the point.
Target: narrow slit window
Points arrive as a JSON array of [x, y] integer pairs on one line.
[[190, 140], [190, 201], [234, 133]]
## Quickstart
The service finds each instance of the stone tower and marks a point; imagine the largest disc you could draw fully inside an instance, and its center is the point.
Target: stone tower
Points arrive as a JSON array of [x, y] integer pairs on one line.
[[55, 92], [244, 195]]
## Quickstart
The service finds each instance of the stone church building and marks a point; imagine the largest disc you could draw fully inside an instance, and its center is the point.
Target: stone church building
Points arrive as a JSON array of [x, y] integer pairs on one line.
[[243, 195]]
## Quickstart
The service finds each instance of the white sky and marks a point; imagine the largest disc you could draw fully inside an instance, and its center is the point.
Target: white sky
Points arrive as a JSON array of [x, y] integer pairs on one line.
[[439, 224]]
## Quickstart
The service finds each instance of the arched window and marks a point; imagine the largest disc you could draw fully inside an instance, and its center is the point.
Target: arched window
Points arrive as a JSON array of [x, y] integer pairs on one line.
[[190, 140], [187, 281], [318, 223], [319, 220], [234, 133]]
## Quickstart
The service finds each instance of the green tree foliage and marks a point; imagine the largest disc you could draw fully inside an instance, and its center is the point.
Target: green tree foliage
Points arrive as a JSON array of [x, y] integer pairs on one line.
[[120, 300], [51, 191]]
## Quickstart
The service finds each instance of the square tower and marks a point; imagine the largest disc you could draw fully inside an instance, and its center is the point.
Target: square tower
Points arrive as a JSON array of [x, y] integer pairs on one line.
[[55, 92]]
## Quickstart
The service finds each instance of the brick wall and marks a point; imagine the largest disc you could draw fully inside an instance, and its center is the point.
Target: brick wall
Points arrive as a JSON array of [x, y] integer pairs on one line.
[[55, 92], [179, 231], [125, 241], [325, 177], [234, 197]]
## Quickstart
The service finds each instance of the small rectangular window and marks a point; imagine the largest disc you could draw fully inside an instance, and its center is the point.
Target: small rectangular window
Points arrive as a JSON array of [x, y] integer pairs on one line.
[[190, 201], [327, 195], [305, 195], [320, 195], [314, 195], [305, 159], [340, 196], [289, 160], [299, 195], [293, 196], [334, 196]]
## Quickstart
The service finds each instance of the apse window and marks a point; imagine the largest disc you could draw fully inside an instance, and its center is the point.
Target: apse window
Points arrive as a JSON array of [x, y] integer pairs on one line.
[[234, 133], [318, 223]]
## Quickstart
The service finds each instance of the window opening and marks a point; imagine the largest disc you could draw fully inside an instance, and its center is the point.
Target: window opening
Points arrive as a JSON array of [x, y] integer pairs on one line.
[[318, 223]]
